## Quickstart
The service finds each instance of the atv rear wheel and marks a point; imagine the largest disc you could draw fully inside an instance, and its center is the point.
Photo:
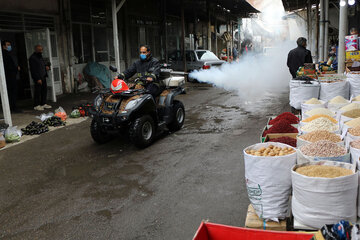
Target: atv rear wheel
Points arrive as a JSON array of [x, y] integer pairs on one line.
[[178, 116], [97, 134], [142, 131]]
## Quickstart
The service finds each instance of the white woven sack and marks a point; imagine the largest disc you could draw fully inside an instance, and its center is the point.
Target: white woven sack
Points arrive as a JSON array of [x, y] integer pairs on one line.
[[320, 201], [307, 107], [354, 81], [330, 90], [302, 158], [300, 92], [349, 138], [268, 182], [300, 142]]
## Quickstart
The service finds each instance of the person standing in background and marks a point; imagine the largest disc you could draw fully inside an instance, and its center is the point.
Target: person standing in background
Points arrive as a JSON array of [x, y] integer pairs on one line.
[[11, 70], [298, 56], [38, 71]]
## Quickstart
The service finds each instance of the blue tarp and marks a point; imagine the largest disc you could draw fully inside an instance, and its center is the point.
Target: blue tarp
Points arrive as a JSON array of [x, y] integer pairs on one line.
[[99, 71]]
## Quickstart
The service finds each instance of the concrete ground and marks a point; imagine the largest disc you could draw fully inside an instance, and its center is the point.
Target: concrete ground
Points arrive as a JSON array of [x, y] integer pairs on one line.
[[62, 185]]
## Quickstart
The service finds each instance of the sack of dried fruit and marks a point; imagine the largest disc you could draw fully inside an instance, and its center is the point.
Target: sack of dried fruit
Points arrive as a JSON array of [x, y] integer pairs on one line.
[[324, 192], [322, 150], [268, 180]]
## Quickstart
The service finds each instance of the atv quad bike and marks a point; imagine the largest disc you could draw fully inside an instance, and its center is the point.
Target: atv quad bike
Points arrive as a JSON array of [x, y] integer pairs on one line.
[[134, 111]]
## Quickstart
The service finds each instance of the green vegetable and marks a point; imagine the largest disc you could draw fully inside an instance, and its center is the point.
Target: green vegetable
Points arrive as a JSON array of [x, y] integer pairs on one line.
[[75, 113], [12, 138]]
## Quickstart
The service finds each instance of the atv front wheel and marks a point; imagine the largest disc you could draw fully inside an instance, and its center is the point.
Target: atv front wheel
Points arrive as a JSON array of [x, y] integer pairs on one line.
[[178, 116], [142, 131], [97, 134]]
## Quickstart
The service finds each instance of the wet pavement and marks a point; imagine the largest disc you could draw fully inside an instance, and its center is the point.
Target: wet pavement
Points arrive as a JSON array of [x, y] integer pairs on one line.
[[64, 186]]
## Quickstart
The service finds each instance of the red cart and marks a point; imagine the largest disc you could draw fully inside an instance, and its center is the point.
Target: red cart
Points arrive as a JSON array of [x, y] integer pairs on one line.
[[212, 231]]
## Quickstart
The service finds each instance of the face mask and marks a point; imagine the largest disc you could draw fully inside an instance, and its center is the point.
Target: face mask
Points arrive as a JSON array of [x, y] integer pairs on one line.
[[8, 48], [143, 56]]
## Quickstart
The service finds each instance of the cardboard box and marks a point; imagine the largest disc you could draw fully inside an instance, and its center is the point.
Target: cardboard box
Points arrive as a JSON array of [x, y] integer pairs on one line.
[[253, 221], [354, 55]]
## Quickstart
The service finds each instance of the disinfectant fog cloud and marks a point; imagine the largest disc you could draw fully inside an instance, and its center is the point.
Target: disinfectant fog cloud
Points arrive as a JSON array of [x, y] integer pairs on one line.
[[253, 75]]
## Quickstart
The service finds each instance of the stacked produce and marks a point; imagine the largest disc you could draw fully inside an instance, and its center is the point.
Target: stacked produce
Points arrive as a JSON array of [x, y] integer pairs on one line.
[[320, 124], [35, 128], [287, 116], [54, 122], [281, 127], [309, 119], [286, 140], [323, 171], [355, 113], [322, 111], [349, 107], [338, 100], [353, 123], [270, 151], [319, 135], [323, 148], [313, 101]]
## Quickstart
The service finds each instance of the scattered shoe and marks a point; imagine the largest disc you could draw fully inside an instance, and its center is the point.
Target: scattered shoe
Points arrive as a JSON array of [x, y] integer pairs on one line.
[[46, 106], [39, 108]]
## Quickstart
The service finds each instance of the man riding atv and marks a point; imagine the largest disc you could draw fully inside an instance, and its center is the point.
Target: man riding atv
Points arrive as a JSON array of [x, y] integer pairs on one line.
[[148, 68]]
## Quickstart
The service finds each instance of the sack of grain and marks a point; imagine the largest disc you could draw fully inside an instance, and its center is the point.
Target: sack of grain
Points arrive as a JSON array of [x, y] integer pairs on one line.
[[322, 150], [317, 201], [343, 119], [351, 137], [354, 81], [307, 107], [333, 89], [300, 92], [317, 136], [268, 181]]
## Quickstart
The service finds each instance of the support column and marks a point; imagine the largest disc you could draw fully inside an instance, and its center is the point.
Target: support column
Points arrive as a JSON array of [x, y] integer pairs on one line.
[[116, 34], [183, 34], [326, 32], [216, 40], [4, 93], [317, 32], [209, 26], [321, 37], [342, 32], [309, 24]]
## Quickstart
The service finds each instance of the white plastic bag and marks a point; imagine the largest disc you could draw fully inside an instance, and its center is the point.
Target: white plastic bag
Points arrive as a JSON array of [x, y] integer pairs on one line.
[[300, 92], [45, 116], [12, 134], [320, 201], [330, 90], [268, 182], [355, 154], [354, 81]]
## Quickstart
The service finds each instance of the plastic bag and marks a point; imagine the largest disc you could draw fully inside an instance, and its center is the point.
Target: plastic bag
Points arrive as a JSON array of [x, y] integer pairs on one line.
[[60, 112], [75, 113], [12, 134], [45, 116]]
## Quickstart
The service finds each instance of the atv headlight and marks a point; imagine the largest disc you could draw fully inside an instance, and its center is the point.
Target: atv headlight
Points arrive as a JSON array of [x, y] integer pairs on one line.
[[131, 104], [97, 102]]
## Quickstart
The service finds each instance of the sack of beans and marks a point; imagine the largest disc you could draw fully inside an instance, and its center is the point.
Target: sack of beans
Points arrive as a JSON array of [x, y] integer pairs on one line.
[[355, 152], [301, 91], [268, 181], [324, 192], [311, 104], [352, 134], [322, 150], [319, 135]]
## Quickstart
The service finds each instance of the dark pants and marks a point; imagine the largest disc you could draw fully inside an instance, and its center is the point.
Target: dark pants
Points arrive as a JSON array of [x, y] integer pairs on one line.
[[12, 93], [40, 93], [154, 89]]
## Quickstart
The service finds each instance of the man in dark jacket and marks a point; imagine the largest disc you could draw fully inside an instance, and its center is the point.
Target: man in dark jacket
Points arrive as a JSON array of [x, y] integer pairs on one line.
[[147, 68], [298, 56], [11, 70], [38, 70]]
